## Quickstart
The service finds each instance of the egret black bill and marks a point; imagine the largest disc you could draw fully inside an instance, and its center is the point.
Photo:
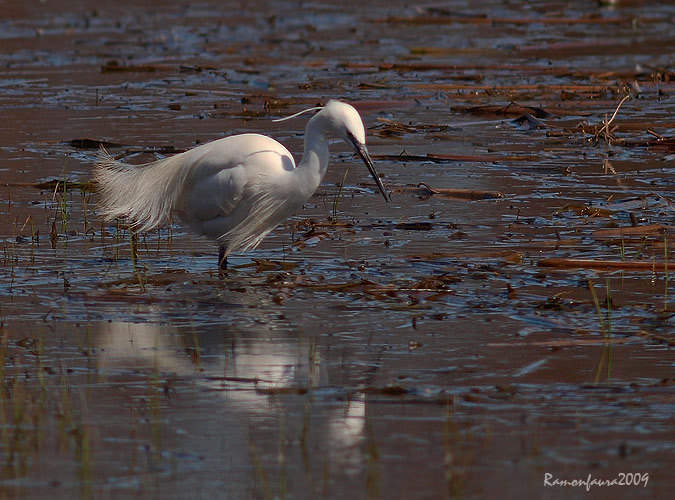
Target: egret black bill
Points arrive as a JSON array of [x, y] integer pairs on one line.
[[363, 153]]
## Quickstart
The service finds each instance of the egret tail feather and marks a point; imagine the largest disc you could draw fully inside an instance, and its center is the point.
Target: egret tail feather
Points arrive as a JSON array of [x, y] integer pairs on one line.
[[145, 194]]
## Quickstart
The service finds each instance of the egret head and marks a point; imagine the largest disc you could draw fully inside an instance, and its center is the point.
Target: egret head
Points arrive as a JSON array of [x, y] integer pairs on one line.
[[345, 122], [342, 120]]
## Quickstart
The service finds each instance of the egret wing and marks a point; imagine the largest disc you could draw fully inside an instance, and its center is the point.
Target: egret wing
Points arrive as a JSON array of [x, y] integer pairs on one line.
[[226, 180]]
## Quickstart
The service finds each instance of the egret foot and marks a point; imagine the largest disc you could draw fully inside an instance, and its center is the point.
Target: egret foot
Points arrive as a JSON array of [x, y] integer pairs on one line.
[[222, 260]]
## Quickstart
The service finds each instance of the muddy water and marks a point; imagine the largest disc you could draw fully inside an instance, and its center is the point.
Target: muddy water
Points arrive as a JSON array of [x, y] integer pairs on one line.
[[416, 349]]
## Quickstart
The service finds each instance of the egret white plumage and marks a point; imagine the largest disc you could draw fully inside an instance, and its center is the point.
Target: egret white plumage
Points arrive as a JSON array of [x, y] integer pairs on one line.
[[234, 190]]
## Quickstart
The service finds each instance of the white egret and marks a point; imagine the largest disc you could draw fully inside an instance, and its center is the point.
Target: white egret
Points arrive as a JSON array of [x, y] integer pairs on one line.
[[234, 190]]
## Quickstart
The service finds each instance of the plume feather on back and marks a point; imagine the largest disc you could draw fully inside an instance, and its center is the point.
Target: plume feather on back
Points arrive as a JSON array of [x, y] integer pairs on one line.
[[146, 194]]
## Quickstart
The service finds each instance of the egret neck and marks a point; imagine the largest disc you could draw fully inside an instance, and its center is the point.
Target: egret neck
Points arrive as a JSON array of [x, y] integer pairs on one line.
[[314, 164]]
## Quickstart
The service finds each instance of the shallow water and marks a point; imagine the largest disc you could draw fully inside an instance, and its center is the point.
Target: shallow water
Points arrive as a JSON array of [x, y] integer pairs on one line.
[[416, 349]]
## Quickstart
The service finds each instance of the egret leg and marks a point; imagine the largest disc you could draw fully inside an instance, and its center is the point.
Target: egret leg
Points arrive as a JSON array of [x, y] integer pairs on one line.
[[222, 259]]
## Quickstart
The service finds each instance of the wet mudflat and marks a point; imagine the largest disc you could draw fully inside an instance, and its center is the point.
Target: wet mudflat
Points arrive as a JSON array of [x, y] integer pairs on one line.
[[507, 316]]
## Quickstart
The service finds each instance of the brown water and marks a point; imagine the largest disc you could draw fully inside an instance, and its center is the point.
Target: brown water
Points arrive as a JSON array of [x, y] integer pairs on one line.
[[416, 349]]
